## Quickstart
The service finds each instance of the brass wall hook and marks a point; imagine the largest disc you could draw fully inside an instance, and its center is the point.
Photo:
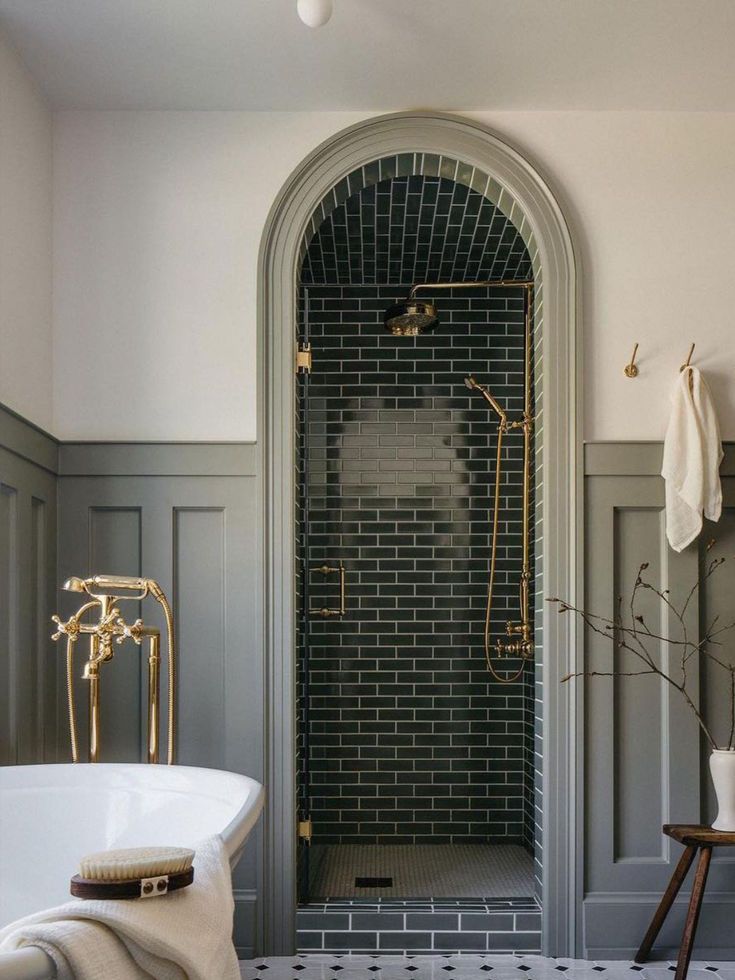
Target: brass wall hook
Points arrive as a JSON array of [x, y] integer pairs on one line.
[[688, 361], [631, 370]]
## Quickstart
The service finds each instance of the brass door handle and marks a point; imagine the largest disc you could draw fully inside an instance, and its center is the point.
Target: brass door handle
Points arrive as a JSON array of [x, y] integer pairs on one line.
[[326, 612]]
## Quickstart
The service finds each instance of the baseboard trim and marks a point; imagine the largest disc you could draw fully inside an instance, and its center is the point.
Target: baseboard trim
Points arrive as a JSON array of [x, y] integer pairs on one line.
[[626, 916], [244, 931], [662, 954]]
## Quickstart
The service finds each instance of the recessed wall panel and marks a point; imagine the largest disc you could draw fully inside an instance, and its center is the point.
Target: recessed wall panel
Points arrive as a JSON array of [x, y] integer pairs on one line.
[[8, 621], [38, 667], [199, 591], [638, 700], [115, 549], [716, 610]]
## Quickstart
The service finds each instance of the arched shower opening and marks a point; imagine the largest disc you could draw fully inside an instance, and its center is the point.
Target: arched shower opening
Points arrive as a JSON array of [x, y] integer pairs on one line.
[[494, 198]]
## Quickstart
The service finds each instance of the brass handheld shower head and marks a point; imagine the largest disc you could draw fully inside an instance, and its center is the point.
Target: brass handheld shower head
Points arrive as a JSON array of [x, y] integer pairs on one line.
[[474, 385], [125, 583]]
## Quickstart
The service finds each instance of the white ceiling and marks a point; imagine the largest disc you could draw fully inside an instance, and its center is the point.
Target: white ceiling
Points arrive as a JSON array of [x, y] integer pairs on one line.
[[387, 54]]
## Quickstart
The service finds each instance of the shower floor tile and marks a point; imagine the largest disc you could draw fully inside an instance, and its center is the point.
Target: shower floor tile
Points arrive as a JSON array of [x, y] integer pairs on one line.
[[421, 870]]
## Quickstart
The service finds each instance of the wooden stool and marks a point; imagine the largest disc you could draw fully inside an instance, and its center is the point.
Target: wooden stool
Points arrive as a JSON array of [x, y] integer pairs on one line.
[[694, 837]]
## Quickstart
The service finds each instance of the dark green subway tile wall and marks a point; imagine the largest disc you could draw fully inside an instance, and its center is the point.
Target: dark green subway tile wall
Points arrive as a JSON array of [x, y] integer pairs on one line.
[[408, 738]]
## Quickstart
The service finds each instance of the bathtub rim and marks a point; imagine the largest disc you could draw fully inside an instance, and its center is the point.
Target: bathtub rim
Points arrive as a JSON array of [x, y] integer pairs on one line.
[[233, 835]]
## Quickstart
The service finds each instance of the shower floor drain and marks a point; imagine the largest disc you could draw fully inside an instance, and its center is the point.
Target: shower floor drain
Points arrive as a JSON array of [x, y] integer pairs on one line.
[[373, 882]]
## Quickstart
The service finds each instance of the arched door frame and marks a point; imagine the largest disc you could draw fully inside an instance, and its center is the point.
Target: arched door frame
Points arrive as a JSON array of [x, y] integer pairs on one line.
[[560, 397]]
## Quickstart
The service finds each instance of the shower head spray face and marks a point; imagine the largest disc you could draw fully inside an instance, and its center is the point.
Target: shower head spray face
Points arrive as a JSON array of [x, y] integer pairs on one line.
[[410, 318]]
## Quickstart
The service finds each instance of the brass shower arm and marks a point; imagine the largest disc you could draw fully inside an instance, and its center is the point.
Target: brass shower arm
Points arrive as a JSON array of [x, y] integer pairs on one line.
[[477, 284]]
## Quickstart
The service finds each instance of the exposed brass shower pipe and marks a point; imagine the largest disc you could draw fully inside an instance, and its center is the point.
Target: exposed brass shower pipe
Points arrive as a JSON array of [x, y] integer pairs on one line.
[[519, 642], [475, 284], [109, 628]]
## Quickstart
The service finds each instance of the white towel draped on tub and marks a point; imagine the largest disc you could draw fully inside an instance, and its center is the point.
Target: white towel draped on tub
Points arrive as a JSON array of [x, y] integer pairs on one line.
[[692, 457], [186, 935]]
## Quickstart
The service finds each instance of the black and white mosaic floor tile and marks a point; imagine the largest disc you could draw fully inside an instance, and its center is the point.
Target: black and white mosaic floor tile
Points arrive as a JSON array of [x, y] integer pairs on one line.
[[322, 966]]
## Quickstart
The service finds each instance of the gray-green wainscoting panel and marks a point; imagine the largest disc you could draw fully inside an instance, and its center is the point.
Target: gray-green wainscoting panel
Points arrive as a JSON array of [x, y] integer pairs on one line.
[[27, 570], [189, 516], [184, 514], [197, 536], [645, 763]]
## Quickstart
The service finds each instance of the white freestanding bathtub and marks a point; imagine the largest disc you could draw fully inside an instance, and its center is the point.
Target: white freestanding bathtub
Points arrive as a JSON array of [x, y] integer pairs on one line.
[[51, 815]]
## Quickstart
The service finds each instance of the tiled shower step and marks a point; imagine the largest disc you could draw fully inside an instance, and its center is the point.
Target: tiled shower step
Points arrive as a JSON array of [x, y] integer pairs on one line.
[[420, 926]]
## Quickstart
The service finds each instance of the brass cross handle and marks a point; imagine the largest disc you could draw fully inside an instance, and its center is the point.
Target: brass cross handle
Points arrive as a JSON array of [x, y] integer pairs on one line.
[[327, 612], [71, 628]]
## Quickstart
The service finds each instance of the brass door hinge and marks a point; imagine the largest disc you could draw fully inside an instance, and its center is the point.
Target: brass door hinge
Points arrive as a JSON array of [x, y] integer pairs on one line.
[[303, 358], [305, 830]]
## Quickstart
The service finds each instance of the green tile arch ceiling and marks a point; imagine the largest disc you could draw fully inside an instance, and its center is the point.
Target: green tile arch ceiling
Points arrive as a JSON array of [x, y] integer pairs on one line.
[[427, 165]]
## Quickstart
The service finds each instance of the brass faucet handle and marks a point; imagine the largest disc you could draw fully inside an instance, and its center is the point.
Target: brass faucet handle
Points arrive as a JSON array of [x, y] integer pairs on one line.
[[133, 632], [514, 648], [325, 612], [69, 628]]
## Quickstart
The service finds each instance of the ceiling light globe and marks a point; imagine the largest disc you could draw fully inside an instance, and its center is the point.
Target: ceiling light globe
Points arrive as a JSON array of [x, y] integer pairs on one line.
[[314, 13]]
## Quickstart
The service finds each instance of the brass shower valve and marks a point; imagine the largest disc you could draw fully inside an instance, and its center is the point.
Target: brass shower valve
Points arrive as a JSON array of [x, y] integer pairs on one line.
[[522, 647], [516, 648]]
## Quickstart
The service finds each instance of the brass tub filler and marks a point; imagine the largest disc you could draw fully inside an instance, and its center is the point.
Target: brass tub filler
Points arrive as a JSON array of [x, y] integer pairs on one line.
[[110, 630]]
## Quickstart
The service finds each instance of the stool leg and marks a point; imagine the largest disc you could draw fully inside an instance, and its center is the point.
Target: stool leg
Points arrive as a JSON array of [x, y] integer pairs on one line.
[[677, 879], [695, 906]]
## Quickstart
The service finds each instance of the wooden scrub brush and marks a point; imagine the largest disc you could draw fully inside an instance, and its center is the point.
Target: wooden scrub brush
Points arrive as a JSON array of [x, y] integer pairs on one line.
[[133, 872]]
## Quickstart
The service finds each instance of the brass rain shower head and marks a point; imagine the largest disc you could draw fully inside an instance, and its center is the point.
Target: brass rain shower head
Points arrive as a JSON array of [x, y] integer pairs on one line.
[[416, 316], [410, 318]]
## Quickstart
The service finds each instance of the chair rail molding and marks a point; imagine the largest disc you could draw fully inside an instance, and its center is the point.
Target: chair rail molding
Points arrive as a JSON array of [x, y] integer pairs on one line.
[[522, 188]]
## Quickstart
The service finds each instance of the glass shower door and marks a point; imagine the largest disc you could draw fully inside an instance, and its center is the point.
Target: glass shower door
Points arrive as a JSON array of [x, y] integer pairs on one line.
[[303, 789]]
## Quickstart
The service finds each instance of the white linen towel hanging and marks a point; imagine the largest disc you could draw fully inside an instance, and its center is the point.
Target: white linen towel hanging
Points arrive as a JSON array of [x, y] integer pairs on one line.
[[186, 935], [692, 457]]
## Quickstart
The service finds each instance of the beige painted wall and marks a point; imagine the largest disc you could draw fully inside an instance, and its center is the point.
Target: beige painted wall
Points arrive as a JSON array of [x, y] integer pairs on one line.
[[158, 218], [25, 243]]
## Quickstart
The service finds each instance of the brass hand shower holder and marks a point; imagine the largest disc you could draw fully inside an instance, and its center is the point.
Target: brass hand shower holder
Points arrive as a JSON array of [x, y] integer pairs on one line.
[[111, 628]]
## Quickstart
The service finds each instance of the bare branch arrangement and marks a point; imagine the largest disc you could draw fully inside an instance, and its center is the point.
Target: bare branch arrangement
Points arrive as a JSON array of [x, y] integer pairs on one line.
[[629, 631]]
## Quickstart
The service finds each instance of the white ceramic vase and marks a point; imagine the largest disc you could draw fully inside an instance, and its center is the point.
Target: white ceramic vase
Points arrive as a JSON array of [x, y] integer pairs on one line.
[[722, 768]]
